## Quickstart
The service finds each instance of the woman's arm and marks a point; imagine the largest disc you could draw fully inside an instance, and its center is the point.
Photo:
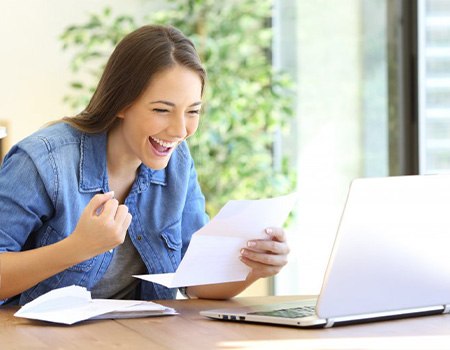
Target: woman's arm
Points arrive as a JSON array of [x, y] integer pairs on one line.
[[265, 257], [22, 270], [95, 233]]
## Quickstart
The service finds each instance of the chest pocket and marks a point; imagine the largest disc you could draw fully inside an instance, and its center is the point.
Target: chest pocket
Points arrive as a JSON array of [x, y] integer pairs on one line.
[[171, 236]]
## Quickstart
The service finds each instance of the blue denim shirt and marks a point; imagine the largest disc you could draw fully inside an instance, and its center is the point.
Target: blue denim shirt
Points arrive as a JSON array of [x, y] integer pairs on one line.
[[46, 181]]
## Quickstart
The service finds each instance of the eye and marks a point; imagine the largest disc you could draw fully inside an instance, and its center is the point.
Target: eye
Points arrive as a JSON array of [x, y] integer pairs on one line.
[[194, 112], [160, 110]]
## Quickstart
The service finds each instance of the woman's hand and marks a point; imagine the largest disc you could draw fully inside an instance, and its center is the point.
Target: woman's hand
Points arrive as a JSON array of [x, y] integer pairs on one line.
[[102, 225], [266, 257]]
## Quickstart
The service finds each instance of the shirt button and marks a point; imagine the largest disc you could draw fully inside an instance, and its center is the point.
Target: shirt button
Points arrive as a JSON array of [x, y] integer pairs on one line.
[[111, 250], [139, 237]]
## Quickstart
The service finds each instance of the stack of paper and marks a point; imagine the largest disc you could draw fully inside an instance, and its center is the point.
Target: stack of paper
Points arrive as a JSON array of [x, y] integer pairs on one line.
[[73, 304]]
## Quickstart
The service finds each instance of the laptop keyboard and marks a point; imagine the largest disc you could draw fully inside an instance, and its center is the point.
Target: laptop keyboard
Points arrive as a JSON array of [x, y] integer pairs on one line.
[[294, 312]]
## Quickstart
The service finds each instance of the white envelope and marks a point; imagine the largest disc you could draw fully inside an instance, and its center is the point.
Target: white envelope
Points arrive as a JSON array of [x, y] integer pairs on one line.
[[69, 305]]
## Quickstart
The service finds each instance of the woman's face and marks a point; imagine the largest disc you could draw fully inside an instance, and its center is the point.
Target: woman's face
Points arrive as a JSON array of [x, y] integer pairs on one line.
[[165, 114]]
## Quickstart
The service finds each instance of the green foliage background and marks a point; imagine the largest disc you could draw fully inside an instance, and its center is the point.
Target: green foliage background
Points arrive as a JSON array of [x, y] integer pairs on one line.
[[246, 101]]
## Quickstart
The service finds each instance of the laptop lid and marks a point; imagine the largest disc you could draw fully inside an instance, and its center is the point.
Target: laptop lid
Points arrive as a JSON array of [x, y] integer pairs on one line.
[[391, 250], [389, 259]]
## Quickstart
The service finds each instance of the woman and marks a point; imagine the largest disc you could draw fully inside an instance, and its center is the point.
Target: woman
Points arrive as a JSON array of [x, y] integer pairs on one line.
[[94, 199]]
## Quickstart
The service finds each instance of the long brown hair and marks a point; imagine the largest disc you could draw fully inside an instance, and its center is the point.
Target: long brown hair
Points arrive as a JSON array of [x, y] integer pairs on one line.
[[137, 57]]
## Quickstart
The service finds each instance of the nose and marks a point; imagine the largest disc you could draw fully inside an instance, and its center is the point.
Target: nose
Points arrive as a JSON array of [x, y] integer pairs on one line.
[[177, 127]]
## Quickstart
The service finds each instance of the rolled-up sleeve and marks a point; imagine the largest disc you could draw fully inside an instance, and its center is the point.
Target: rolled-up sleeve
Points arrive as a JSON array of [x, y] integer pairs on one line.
[[24, 199]]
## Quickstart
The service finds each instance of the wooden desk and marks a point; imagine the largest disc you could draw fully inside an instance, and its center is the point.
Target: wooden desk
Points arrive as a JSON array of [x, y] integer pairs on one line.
[[189, 330]]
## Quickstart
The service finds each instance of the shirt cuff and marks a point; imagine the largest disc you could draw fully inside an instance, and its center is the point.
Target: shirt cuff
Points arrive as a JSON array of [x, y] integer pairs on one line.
[[183, 291]]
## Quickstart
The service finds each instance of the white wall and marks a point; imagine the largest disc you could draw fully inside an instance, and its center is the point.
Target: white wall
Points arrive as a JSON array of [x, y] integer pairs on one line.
[[34, 71]]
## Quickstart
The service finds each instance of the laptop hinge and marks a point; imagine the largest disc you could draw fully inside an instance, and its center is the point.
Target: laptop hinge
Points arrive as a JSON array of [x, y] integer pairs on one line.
[[446, 309], [330, 323]]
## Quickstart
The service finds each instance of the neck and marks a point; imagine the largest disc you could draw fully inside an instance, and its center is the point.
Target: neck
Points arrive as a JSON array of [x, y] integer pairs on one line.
[[122, 168], [118, 160]]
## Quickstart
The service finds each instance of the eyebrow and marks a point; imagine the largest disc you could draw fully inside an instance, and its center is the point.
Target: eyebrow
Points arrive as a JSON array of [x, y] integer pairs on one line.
[[173, 104]]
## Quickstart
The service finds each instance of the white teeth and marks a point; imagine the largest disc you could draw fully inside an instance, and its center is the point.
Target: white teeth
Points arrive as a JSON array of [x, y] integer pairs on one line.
[[164, 143]]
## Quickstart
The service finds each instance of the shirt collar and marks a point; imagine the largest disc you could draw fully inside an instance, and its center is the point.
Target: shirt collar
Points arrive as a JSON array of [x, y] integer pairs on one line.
[[93, 174], [93, 170]]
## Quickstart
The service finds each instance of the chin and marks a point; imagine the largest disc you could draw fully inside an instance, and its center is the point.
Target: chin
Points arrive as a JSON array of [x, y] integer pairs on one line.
[[156, 165]]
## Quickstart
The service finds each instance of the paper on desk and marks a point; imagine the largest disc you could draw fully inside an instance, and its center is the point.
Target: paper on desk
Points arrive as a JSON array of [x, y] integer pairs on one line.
[[214, 250], [72, 304]]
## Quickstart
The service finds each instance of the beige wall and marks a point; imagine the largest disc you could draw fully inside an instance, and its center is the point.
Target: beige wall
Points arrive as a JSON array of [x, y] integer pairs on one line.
[[34, 71]]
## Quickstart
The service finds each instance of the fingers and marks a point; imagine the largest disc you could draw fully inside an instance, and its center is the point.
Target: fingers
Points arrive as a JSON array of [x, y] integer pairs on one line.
[[268, 246], [266, 257], [275, 242], [123, 217], [126, 223], [106, 207], [116, 219], [110, 208], [97, 202], [102, 225], [276, 233], [261, 270]]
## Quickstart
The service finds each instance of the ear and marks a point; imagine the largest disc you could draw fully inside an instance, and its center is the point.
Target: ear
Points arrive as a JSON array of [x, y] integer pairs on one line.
[[121, 114]]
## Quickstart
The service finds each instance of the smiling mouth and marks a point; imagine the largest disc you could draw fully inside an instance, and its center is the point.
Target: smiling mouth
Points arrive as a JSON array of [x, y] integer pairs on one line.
[[161, 147]]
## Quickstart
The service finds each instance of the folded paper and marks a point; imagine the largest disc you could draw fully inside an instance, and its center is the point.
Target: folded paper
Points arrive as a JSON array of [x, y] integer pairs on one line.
[[214, 250]]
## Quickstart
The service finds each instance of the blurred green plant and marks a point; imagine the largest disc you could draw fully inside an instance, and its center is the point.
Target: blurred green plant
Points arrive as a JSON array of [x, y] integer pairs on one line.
[[246, 101]]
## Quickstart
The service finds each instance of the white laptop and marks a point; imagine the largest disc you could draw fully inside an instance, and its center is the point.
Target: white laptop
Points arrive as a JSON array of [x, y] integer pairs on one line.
[[390, 258]]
